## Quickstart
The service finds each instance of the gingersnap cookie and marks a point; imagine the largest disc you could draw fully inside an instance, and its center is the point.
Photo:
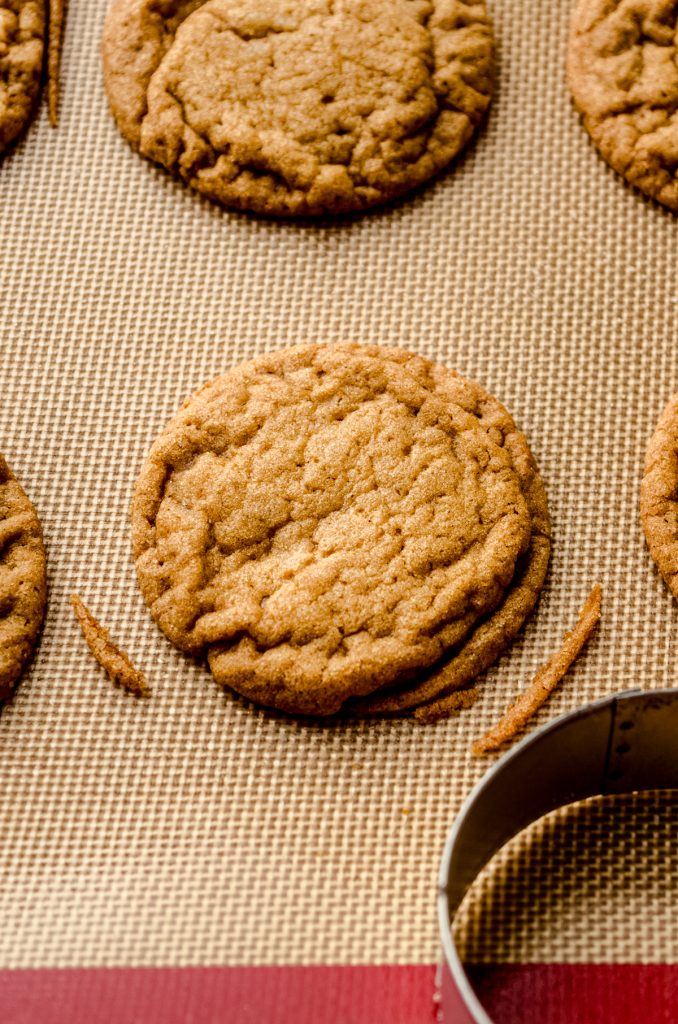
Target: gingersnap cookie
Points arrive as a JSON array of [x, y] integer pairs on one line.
[[622, 72], [659, 495], [492, 635], [299, 108], [321, 526], [22, 35], [23, 587]]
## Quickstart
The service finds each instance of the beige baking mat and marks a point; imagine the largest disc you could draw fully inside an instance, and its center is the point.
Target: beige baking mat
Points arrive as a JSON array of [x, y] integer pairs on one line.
[[193, 828], [597, 881]]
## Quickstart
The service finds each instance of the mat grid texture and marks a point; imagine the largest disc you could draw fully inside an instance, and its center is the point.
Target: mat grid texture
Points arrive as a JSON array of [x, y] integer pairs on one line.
[[194, 829]]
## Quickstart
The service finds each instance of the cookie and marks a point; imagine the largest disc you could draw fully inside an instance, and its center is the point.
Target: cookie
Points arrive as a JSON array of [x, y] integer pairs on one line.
[[622, 72], [23, 587], [321, 526], [493, 634], [659, 495], [22, 34], [299, 108]]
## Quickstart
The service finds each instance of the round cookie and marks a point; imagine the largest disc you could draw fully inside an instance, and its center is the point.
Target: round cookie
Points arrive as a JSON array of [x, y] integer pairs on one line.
[[322, 526], [622, 71], [492, 635], [299, 107], [659, 495], [23, 586]]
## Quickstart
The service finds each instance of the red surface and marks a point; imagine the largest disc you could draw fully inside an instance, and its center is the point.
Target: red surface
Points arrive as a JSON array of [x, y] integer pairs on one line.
[[515, 994], [579, 993], [216, 995]]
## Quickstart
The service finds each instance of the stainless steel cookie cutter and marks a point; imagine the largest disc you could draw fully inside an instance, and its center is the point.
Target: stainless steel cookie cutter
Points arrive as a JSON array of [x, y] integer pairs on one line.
[[622, 744]]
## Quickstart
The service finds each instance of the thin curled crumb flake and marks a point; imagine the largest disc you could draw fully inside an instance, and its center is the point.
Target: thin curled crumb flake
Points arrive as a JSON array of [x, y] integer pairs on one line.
[[623, 73], [320, 524], [115, 662], [453, 703], [659, 495], [22, 33], [23, 585], [308, 107], [57, 10], [546, 679]]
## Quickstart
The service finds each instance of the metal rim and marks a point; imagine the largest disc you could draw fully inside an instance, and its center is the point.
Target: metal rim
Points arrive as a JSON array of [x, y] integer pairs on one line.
[[650, 761]]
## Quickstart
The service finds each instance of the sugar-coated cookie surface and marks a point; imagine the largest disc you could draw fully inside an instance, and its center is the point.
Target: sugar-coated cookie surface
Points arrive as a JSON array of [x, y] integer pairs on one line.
[[659, 495], [23, 586], [299, 107], [322, 525], [22, 33], [492, 635], [623, 74]]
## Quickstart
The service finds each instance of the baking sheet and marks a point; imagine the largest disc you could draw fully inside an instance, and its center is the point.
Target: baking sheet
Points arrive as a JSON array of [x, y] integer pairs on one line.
[[194, 829]]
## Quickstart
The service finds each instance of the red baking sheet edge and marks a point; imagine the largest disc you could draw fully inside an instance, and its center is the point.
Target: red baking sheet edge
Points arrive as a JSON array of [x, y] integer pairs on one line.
[[321, 994]]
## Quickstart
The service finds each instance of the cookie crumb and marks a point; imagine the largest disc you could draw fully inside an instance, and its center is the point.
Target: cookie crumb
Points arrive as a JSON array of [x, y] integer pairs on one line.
[[446, 706], [54, 41], [546, 679], [659, 493], [116, 663]]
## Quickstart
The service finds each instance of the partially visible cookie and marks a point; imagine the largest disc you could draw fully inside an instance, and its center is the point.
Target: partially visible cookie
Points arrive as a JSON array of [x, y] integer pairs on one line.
[[623, 73], [23, 586], [22, 34], [299, 108], [659, 495], [322, 525]]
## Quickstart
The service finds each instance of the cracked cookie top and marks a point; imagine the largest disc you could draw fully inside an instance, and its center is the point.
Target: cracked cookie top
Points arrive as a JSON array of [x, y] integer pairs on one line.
[[491, 635], [623, 73], [321, 525], [22, 578], [22, 32], [299, 107]]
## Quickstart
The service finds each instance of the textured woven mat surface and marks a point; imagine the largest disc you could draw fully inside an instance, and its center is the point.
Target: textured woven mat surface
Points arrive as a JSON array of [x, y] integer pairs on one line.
[[193, 829]]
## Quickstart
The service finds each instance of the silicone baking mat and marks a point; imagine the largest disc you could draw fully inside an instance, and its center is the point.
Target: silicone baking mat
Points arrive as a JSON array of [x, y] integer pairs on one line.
[[194, 829]]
